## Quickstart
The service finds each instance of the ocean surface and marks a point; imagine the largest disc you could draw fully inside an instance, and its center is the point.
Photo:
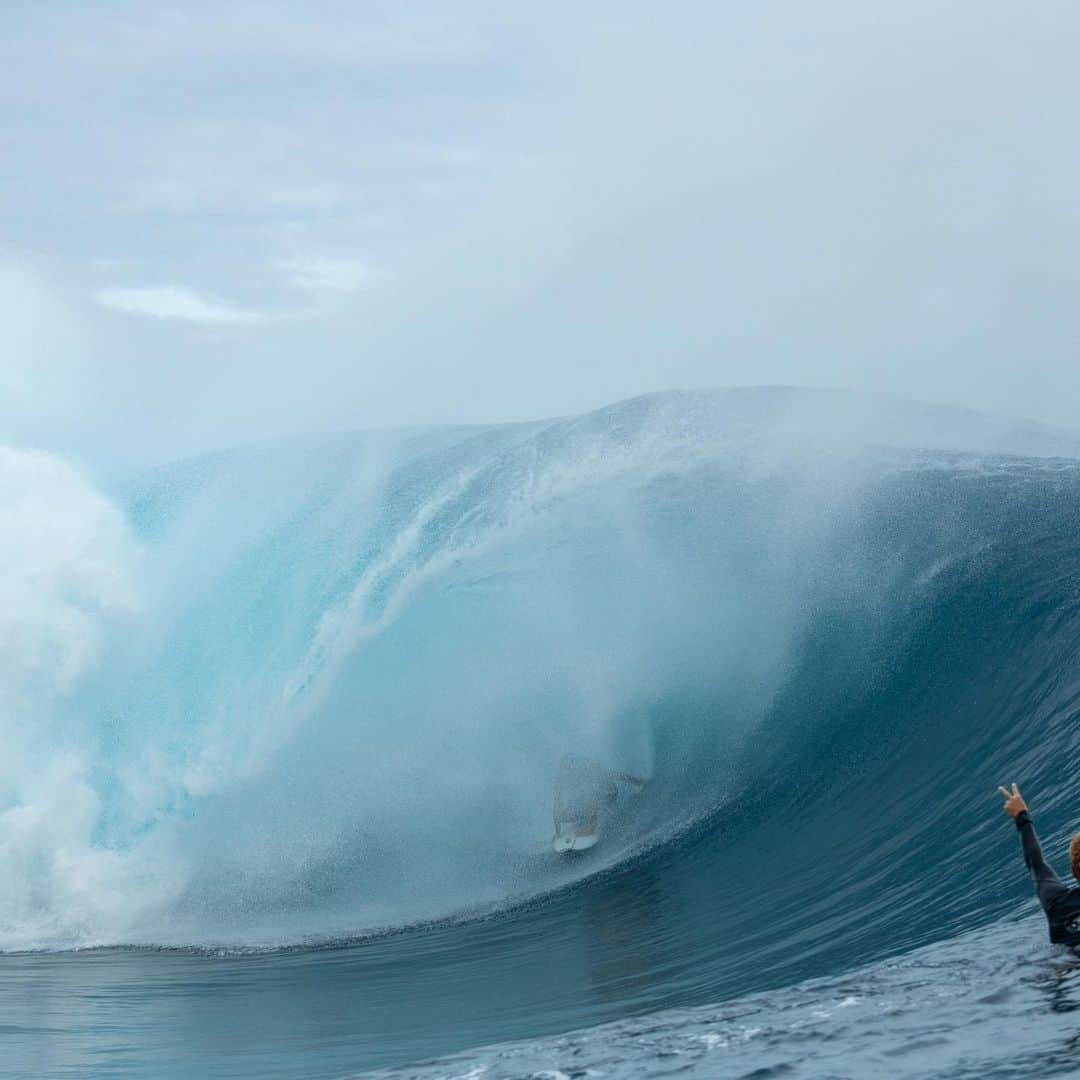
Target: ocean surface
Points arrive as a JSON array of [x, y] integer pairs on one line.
[[282, 726]]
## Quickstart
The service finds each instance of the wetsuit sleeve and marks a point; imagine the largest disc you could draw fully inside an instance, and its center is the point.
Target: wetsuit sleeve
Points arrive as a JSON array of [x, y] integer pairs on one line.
[[1048, 885]]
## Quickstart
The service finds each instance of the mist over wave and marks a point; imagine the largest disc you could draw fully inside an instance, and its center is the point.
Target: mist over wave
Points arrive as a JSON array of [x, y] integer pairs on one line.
[[318, 688]]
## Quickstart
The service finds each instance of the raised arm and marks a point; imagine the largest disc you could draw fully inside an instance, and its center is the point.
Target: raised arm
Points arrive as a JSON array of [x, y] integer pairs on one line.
[[1047, 884]]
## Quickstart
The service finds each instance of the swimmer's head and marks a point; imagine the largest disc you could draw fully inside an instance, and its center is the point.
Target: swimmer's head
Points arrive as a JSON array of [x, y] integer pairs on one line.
[[1074, 856]]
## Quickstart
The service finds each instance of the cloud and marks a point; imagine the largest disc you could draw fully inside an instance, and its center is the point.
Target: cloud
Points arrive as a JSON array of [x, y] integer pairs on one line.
[[322, 274], [170, 302], [504, 211]]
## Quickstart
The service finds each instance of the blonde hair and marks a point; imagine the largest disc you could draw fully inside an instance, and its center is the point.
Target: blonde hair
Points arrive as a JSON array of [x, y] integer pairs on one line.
[[1074, 856]]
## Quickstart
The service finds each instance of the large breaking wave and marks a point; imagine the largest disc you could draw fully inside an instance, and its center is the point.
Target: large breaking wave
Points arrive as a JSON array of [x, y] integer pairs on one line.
[[317, 689]]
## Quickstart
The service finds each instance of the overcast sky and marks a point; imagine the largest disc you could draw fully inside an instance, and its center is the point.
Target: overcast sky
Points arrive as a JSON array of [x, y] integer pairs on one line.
[[227, 221]]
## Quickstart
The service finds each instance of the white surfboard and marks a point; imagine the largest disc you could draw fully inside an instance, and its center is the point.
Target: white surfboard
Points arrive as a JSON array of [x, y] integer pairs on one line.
[[571, 840]]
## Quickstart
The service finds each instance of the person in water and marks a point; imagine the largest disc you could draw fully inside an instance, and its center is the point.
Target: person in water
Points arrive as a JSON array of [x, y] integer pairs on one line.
[[1060, 902], [583, 789]]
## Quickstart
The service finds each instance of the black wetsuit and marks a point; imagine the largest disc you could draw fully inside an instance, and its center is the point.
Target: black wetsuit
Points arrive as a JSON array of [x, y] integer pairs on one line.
[[1060, 902]]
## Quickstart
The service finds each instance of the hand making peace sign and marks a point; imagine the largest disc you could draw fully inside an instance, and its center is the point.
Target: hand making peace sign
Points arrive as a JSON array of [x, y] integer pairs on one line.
[[1014, 801]]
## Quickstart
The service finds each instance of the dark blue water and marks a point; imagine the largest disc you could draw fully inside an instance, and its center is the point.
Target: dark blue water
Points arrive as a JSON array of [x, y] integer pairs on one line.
[[321, 756]]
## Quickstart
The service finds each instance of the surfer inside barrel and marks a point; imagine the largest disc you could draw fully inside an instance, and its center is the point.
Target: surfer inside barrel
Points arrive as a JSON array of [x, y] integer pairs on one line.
[[584, 789]]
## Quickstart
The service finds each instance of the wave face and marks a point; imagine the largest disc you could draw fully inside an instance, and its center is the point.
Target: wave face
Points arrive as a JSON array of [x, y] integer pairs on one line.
[[315, 691]]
